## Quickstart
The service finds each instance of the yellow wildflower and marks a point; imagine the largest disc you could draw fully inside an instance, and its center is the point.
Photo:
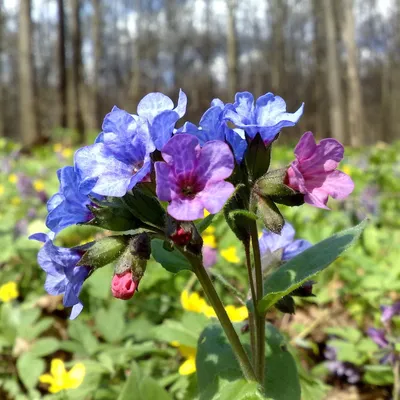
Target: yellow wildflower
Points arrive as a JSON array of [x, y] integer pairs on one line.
[[13, 178], [15, 201], [67, 152], [38, 185], [237, 314], [192, 302], [189, 353], [1, 190], [209, 312], [210, 241], [59, 379], [57, 147], [8, 292], [230, 255], [346, 169]]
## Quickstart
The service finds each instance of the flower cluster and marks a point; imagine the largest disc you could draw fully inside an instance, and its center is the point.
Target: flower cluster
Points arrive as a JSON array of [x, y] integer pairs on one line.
[[144, 174]]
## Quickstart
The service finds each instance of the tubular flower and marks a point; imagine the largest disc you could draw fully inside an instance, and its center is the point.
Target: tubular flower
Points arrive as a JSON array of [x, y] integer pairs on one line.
[[59, 379], [192, 178], [69, 205], [314, 172], [8, 292], [63, 275], [267, 116], [119, 159]]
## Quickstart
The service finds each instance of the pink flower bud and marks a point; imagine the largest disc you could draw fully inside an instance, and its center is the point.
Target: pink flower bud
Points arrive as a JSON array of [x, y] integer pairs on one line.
[[123, 286], [181, 237]]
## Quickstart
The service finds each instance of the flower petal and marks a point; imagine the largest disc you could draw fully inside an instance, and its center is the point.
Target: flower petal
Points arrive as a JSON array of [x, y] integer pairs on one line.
[[215, 195]]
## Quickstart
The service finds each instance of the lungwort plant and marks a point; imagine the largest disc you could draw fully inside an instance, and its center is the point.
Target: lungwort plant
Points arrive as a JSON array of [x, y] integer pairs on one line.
[[155, 188]]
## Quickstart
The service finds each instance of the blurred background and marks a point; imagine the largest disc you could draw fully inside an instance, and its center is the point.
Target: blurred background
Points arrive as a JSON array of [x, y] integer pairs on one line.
[[65, 63]]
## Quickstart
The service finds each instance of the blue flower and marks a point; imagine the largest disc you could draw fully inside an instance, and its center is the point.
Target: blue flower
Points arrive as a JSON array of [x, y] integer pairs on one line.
[[213, 126], [69, 205], [271, 242], [119, 159], [267, 117], [161, 115], [63, 275]]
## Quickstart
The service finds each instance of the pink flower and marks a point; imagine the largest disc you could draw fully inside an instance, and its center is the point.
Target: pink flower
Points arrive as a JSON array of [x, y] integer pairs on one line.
[[314, 173], [123, 286]]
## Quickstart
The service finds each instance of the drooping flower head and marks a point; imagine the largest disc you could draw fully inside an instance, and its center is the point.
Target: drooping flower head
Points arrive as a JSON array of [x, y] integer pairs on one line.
[[123, 286], [314, 172], [120, 158], [271, 242], [192, 178], [69, 205], [267, 116], [63, 275]]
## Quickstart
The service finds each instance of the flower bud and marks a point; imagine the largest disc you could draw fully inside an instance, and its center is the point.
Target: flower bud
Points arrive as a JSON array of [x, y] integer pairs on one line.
[[123, 286]]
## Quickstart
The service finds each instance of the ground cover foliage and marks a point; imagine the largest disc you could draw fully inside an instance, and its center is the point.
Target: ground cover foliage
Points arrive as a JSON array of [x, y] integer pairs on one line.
[[149, 343]]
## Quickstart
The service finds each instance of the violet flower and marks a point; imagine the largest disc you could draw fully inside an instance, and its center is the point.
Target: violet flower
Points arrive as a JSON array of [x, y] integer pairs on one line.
[[344, 370], [314, 173], [267, 116], [69, 205], [119, 159], [388, 312], [63, 275], [192, 178]]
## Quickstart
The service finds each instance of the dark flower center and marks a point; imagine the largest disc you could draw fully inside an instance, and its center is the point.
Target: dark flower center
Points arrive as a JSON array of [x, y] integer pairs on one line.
[[137, 166], [190, 187]]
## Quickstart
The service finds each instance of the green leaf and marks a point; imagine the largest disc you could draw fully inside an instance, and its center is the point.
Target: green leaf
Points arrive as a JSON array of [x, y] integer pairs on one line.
[[44, 347], [348, 333], [173, 261], [216, 364], [37, 329], [104, 251], [205, 223], [257, 158], [79, 331], [29, 369], [379, 375], [140, 387], [237, 390], [110, 323], [304, 266]]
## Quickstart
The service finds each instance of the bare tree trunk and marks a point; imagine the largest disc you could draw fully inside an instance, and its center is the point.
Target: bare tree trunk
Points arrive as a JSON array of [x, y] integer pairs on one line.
[[278, 19], [97, 25], [28, 121], [76, 71], [232, 49], [333, 75], [355, 107], [62, 66]]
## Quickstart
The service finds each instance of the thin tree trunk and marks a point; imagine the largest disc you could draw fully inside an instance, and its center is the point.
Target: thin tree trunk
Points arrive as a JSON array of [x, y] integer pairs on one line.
[[62, 66], [97, 18], [76, 71], [27, 114], [232, 49], [333, 75], [355, 107]]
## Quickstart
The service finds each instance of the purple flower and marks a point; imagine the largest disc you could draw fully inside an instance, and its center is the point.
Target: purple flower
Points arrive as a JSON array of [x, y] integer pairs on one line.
[[69, 205], [63, 276], [378, 336], [314, 173], [119, 159], [213, 126], [388, 312], [271, 242], [192, 178], [267, 116], [161, 115], [341, 369], [209, 256]]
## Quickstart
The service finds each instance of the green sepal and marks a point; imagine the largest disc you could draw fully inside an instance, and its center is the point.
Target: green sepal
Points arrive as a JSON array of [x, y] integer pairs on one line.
[[112, 214], [269, 213], [257, 158], [238, 201], [144, 207], [128, 261], [104, 251]]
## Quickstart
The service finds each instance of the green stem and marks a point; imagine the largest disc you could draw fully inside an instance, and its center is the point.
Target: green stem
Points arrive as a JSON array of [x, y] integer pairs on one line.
[[396, 384], [226, 323], [259, 317], [252, 320]]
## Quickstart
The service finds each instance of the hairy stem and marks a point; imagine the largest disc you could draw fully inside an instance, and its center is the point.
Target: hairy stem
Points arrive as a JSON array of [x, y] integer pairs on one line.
[[226, 323], [259, 317]]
